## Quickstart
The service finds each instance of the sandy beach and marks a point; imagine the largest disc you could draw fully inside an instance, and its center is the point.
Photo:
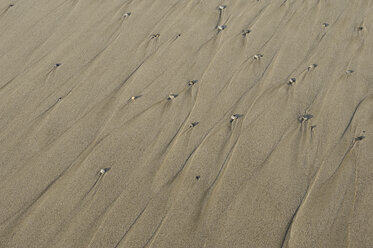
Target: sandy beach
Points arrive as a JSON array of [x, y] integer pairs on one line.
[[186, 124]]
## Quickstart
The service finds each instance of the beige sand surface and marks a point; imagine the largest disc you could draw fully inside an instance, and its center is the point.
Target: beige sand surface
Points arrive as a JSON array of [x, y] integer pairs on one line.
[[293, 167]]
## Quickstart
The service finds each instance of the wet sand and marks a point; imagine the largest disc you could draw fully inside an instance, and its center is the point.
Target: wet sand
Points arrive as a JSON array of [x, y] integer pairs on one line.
[[170, 123]]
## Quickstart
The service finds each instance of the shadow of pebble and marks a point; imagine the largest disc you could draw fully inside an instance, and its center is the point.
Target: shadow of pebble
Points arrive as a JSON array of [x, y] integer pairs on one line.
[[359, 138]]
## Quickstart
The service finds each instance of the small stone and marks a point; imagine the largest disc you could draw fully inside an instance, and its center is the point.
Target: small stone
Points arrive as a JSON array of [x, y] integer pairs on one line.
[[192, 82], [310, 67], [292, 81], [245, 32], [258, 56], [305, 117], [193, 124], [171, 96], [234, 117], [221, 27]]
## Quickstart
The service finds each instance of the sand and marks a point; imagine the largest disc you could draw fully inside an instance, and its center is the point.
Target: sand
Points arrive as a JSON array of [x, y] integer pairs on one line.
[[173, 123]]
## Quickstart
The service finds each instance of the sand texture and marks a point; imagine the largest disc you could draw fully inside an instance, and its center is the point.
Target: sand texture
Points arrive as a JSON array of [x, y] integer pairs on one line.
[[179, 124]]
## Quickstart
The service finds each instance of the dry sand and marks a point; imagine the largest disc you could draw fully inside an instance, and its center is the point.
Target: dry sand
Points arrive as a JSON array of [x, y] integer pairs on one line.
[[85, 86]]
